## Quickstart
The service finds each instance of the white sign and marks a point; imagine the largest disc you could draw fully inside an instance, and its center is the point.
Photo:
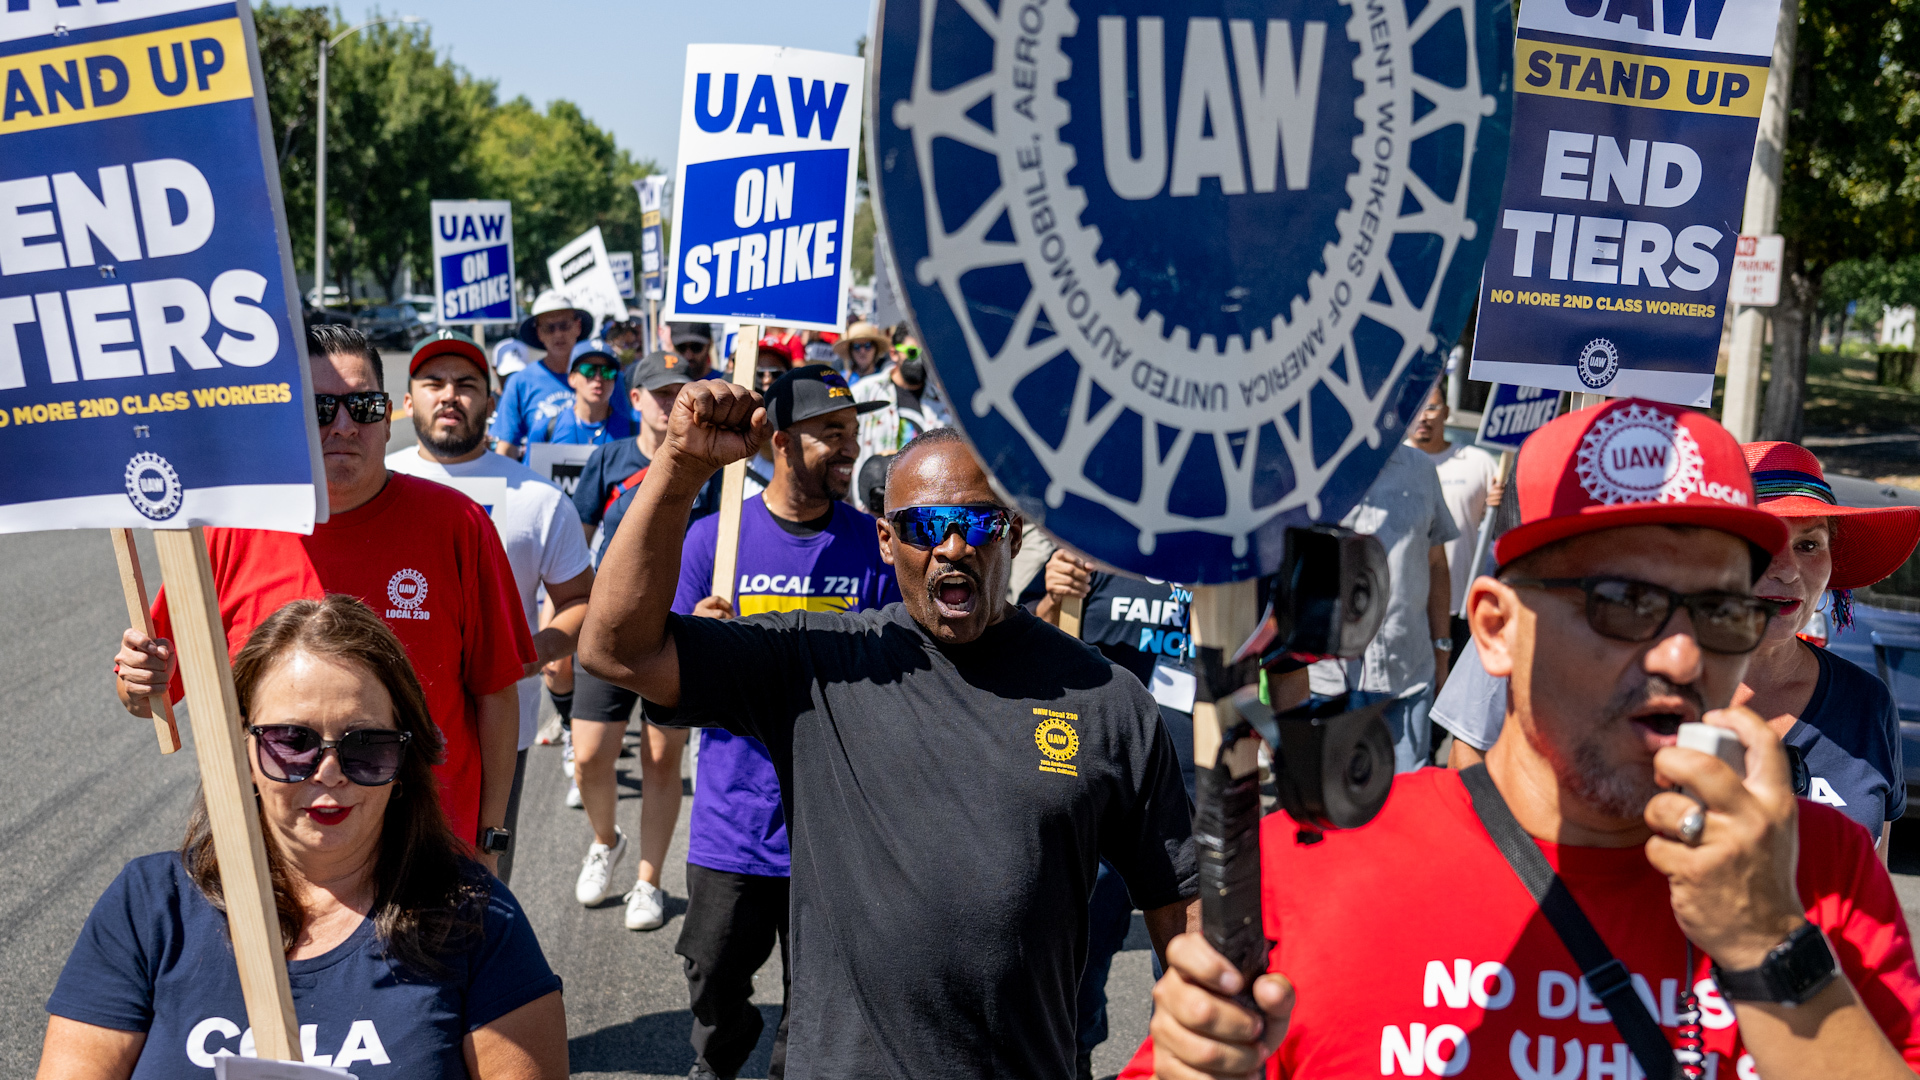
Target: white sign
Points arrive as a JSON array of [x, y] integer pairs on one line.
[[763, 199], [473, 260], [1896, 328], [559, 463], [622, 263], [583, 274], [1756, 271]]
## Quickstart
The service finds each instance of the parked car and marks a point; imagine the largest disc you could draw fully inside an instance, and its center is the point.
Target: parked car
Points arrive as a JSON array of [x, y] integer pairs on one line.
[[1885, 635], [392, 326], [426, 306]]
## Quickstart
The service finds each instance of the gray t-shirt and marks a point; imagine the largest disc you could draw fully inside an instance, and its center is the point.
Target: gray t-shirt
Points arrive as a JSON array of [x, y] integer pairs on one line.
[[1406, 511], [1473, 704]]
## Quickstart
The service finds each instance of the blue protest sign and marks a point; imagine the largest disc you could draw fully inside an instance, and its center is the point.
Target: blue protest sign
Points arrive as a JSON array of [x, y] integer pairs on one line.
[[652, 281], [473, 260], [1185, 273], [763, 199], [1610, 266], [1514, 412], [152, 367], [621, 262]]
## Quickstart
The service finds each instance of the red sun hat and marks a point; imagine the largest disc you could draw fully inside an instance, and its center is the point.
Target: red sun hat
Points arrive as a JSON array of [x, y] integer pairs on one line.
[[1868, 544], [1634, 462]]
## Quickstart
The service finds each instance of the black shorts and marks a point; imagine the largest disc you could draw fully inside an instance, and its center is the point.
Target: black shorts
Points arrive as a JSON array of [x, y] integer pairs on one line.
[[601, 701]]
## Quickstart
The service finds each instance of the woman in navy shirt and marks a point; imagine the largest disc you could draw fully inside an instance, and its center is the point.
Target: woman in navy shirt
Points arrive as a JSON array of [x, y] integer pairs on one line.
[[406, 958]]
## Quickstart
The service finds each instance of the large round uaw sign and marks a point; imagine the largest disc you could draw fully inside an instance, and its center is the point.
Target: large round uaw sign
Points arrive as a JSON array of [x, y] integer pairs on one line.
[[1185, 270]]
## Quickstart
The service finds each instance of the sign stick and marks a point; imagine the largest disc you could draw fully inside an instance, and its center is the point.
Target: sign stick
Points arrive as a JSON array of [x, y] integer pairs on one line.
[[1226, 828], [133, 586], [726, 549], [1223, 616], [214, 713], [1071, 610], [1481, 541]]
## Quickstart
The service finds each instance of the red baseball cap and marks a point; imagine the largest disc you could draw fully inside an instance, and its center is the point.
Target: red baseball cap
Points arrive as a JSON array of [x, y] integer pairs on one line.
[[441, 343], [1635, 462]]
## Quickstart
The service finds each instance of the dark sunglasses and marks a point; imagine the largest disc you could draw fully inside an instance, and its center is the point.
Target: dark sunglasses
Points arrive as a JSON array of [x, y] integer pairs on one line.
[[365, 406], [291, 754], [1636, 611], [690, 348], [597, 371], [862, 346], [929, 526]]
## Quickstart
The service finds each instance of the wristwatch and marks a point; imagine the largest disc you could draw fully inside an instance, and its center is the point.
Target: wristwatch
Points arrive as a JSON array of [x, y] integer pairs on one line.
[[1443, 644], [1796, 970], [495, 841]]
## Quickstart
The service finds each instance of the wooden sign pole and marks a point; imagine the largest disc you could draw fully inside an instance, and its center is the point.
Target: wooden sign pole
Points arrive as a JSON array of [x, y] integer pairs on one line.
[[1072, 609], [727, 545], [212, 709], [1222, 618], [133, 586]]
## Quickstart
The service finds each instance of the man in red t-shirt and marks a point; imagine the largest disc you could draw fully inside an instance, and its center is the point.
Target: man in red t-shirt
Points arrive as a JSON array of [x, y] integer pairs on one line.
[[421, 555], [1622, 609]]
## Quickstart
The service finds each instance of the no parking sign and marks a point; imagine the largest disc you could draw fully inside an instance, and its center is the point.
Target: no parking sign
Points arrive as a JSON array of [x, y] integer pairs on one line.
[[1187, 269]]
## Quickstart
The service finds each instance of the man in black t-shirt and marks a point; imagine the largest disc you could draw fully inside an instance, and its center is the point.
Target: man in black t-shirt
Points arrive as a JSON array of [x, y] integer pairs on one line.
[[952, 768]]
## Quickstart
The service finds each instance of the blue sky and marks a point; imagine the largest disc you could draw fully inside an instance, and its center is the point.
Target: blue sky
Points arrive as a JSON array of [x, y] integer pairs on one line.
[[621, 61]]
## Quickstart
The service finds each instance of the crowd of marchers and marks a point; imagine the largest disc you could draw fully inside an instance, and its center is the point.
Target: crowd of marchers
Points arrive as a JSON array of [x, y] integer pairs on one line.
[[944, 810]]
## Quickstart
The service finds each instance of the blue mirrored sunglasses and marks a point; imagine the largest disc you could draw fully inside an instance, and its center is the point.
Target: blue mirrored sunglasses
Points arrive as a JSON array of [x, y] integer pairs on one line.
[[929, 526]]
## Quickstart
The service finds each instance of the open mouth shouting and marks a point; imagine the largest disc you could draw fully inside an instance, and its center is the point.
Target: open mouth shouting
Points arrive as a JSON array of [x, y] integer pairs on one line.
[[1658, 721], [1788, 604], [954, 593]]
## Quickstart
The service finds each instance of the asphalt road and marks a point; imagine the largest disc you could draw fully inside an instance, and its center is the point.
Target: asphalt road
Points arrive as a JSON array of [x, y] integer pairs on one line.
[[84, 789]]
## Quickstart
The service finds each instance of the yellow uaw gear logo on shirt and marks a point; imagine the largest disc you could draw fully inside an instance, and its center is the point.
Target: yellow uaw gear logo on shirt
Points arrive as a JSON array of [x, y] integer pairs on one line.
[[1057, 740]]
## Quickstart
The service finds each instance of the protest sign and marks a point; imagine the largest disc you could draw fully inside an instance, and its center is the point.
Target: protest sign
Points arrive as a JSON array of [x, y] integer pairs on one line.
[[1610, 265], [651, 277], [152, 369], [559, 463], [1186, 277], [1512, 413], [473, 260], [622, 264], [1756, 271], [583, 274], [763, 196]]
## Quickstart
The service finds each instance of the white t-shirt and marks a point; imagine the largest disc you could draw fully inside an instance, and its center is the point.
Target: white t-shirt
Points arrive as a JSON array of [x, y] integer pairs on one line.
[[540, 530], [1466, 474]]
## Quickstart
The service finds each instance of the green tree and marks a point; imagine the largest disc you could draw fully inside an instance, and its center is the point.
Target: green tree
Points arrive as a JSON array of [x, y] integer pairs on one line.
[[1850, 189], [565, 175]]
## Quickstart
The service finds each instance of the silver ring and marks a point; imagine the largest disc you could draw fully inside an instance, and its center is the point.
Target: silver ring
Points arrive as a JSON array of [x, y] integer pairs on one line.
[[1692, 826]]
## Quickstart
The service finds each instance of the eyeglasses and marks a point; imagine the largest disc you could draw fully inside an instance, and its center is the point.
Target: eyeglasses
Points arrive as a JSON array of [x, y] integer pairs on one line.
[[929, 526], [597, 371], [861, 346], [555, 326], [365, 406], [291, 754], [690, 348], [1636, 611]]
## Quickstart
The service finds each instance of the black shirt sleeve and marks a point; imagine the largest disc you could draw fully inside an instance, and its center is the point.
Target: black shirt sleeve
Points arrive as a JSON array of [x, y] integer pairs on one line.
[[1149, 838], [749, 676]]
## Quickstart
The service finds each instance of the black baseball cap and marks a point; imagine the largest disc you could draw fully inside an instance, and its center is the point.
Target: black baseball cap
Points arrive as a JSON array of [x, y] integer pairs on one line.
[[658, 370], [808, 391], [691, 331]]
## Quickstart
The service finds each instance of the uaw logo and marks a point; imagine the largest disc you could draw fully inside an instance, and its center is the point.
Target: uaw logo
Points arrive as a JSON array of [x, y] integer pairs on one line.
[[1598, 363], [154, 487], [1057, 740], [1185, 269], [407, 592], [1637, 453]]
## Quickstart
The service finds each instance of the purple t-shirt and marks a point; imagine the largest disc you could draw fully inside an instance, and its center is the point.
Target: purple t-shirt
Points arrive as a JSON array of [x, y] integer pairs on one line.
[[738, 824]]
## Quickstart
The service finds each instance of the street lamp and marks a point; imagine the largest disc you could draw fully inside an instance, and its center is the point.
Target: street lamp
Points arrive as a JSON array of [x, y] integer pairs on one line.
[[320, 158]]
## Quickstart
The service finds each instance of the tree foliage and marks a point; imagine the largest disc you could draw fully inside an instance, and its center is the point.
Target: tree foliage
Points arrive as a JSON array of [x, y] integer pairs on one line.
[[406, 126]]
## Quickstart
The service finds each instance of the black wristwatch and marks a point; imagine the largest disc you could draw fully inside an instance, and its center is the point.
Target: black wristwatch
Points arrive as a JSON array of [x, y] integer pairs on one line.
[[495, 841], [1796, 970]]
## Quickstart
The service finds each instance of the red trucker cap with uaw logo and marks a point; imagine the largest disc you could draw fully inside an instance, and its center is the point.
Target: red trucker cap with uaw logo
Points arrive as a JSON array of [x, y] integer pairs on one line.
[[1634, 462]]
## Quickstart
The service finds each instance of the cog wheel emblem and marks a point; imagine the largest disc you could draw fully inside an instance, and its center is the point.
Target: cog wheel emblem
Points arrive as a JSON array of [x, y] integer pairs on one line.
[[154, 487], [1598, 363], [1185, 275], [1637, 453], [1057, 739], [407, 589]]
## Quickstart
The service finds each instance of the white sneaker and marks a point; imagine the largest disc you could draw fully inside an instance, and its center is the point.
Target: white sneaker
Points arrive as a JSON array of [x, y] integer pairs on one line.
[[597, 870], [573, 796], [646, 907], [566, 756]]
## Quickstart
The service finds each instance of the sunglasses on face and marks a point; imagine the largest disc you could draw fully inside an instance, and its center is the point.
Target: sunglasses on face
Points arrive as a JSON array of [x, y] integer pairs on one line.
[[929, 526], [291, 754], [1637, 611], [597, 371], [546, 328], [364, 406], [909, 352], [862, 346], [690, 348]]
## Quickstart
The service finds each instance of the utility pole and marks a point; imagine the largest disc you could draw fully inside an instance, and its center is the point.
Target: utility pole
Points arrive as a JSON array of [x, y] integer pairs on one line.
[[320, 157], [1741, 411]]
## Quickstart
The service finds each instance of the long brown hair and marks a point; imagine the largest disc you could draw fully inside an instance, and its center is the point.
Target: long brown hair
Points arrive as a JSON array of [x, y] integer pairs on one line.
[[430, 896]]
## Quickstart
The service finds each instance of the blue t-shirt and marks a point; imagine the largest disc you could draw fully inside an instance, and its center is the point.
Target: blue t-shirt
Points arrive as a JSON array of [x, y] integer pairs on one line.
[[604, 493], [154, 956], [738, 822], [1849, 733], [566, 426], [532, 396]]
